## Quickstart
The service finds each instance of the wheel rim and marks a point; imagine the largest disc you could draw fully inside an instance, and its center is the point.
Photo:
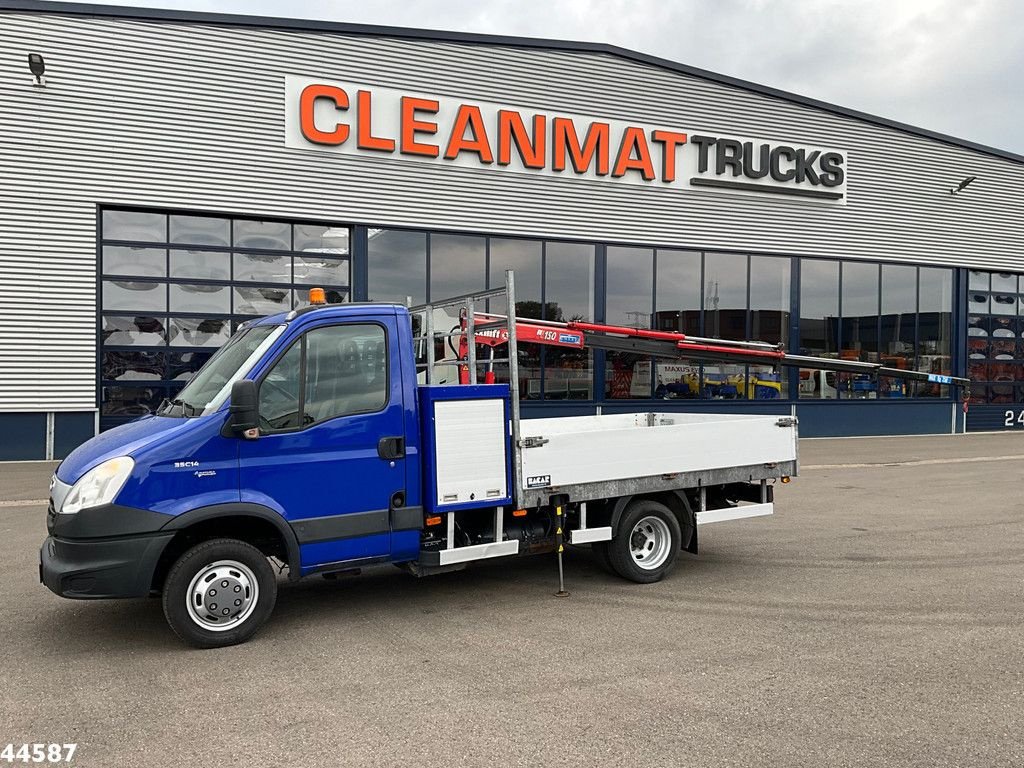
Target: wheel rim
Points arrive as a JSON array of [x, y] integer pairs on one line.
[[222, 595], [650, 543]]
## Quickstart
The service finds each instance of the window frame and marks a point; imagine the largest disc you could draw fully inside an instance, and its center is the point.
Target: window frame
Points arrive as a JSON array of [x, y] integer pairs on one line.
[[301, 339]]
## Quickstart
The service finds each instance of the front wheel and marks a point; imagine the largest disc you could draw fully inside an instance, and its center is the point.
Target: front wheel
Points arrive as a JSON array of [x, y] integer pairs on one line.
[[218, 593], [647, 543]]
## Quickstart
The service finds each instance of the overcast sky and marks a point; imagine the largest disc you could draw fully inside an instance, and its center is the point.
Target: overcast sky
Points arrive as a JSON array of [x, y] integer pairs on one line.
[[953, 66]]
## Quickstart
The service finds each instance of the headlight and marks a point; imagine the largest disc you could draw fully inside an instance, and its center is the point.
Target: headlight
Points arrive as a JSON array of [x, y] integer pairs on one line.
[[98, 486]]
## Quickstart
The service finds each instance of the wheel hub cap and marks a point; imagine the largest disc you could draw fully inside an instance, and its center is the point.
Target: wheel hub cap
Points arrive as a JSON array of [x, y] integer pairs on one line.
[[222, 595], [650, 543]]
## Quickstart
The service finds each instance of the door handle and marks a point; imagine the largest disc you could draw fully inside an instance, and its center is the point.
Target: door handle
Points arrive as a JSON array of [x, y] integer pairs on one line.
[[391, 448]]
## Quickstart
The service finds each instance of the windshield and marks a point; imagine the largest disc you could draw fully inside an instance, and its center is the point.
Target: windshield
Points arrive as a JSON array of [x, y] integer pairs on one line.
[[210, 387]]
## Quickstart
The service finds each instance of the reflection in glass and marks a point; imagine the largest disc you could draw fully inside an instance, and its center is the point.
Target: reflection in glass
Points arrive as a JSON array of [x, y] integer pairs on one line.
[[182, 366], [898, 326], [133, 366], [397, 266], [859, 328], [131, 295], [130, 402], [524, 258], [321, 270], [978, 280], [132, 225], [568, 295], [137, 262], [198, 331], [678, 288], [1004, 282], [265, 235], [200, 298], [456, 265], [133, 331], [677, 310], [200, 230], [200, 265], [321, 238], [261, 301], [769, 321], [263, 268], [819, 324], [935, 327], [630, 299], [725, 317]]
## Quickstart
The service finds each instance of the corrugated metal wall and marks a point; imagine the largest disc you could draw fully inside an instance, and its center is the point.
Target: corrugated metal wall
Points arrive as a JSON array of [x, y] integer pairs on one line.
[[191, 116]]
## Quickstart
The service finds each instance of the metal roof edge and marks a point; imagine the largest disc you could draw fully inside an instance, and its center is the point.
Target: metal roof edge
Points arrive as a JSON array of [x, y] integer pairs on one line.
[[372, 30]]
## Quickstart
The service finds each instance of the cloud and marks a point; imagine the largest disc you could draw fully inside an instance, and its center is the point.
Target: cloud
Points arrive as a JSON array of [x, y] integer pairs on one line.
[[952, 66]]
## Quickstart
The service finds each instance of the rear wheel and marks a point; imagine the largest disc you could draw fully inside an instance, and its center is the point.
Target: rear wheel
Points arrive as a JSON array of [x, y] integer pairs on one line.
[[647, 543], [218, 593]]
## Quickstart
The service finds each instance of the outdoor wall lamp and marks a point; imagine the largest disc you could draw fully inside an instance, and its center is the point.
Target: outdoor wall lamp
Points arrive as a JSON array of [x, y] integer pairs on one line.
[[37, 66]]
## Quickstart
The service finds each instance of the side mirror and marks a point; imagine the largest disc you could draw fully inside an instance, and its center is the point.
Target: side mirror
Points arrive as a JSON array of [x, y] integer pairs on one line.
[[244, 418]]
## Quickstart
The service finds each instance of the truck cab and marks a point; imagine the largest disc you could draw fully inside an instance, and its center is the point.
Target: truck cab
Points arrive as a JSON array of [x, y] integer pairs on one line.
[[334, 477]]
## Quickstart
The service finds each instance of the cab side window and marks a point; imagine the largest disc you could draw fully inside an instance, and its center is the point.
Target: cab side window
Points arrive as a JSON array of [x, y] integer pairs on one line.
[[280, 392], [346, 371], [332, 371]]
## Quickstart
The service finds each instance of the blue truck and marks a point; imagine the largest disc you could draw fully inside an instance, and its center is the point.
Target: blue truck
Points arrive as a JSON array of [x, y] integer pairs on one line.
[[319, 441]]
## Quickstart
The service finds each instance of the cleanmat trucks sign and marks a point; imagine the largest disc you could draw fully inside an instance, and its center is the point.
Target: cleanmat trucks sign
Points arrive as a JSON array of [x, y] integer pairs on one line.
[[353, 119]]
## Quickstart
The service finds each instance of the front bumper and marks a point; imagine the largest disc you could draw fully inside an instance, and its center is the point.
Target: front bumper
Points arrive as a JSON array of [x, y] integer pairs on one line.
[[101, 568]]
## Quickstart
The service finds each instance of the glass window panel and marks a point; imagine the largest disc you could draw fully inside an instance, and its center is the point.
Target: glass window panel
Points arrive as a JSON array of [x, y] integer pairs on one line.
[[133, 366], [677, 309], [678, 289], [346, 371], [261, 301], [132, 225], [263, 268], [1004, 282], [524, 258], [131, 402], [182, 366], [279, 392], [898, 326], [978, 280], [200, 230], [769, 321], [265, 235], [321, 238], [137, 262], [397, 266], [133, 331], [198, 331], [200, 298], [456, 265], [819, 323], [131, 295], [200, 265], [859, 331], [1004, 304], [725, 295], [568, 295], [725, 317], [630, 298], [321, 270], [935, 327]]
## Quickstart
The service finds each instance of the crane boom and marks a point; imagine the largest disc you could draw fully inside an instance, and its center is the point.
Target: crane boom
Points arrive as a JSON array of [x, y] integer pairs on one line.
[[492, 330]]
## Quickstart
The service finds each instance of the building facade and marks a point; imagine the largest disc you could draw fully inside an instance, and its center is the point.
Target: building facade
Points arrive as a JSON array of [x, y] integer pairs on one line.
[[171, 174]]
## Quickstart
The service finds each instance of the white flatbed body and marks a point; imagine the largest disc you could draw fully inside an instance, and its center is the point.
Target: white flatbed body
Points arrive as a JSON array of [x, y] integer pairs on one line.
[[590, 457]]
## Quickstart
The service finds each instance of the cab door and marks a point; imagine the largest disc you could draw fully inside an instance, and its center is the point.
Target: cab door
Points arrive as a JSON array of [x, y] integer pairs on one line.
[[331, 452]]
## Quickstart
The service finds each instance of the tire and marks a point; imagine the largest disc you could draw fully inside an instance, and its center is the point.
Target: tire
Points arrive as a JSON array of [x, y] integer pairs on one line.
[[600, 551], [647, 542], [238, 571]]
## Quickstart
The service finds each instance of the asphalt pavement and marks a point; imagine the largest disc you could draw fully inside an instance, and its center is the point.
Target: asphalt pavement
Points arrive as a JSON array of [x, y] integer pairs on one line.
[[874, 620]]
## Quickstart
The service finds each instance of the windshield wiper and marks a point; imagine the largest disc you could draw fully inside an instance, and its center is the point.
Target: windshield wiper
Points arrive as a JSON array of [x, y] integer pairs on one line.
[[185, 407]]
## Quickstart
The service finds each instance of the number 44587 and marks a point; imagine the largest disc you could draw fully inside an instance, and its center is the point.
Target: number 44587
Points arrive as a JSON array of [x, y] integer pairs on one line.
[[38, 753]]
